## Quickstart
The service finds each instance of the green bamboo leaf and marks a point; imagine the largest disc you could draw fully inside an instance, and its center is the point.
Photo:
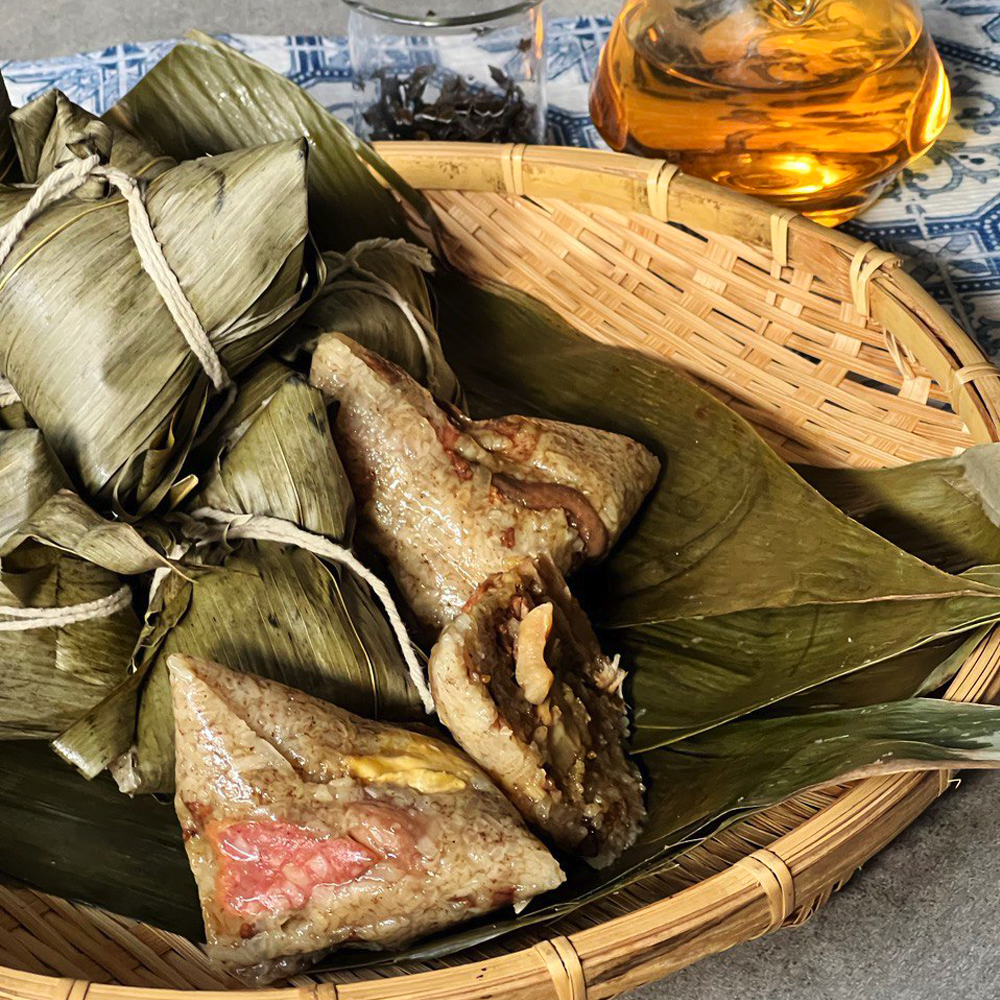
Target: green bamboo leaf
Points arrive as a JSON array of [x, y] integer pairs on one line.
[[917, 672], [278, 457], [121, 437], [98, 847], [913, 674], [206, 98], [273, 609], [725, 499], [946, 510], [694, 674]]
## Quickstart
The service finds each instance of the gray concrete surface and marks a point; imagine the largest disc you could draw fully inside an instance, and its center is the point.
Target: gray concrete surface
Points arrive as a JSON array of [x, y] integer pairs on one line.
[[919, 922]]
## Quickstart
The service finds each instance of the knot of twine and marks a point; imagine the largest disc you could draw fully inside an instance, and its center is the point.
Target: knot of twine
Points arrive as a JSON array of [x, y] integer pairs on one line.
[[63, 182], [207, 524], [347, 263], [32, 618]]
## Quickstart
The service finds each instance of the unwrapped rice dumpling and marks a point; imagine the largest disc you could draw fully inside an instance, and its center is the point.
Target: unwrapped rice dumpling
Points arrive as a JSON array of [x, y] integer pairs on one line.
[[122, 399], [448, 501], [308, 827], [520, 681]]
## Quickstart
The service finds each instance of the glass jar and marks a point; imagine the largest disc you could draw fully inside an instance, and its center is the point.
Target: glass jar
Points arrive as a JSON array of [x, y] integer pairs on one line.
[[449, 70], [813, 104]]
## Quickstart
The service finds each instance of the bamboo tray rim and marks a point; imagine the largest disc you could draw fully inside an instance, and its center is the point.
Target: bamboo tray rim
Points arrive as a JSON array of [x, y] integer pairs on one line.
[[766, 886]]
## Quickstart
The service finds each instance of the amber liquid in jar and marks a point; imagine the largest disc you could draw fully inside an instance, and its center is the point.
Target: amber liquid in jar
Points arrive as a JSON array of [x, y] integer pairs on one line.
[[812, 104]]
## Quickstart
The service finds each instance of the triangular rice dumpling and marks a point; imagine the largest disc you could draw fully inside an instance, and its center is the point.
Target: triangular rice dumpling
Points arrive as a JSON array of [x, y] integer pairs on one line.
[[521, 682], [308, 827], [123, 402], [448, 501]]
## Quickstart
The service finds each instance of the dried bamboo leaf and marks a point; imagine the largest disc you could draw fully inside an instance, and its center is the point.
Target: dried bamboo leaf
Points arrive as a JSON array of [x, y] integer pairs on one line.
[[66, 523], [53, 675], [206, 98], [51, 131], [120, 436], [946, 510]]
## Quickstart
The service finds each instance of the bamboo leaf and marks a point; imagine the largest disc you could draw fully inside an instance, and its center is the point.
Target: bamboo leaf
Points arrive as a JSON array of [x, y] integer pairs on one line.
[[98, 846], [725, 499], [946, 510], [913, 674], [29, 475], [272, 609], [365, 302], [279, 459], [207, 98], [694, 674]]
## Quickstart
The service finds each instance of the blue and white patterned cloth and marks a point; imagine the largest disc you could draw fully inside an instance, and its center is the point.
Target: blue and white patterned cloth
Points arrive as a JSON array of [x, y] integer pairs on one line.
[[944, 213]]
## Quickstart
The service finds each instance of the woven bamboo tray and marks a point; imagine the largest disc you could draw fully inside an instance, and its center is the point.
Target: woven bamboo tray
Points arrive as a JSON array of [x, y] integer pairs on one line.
[[832, 351]]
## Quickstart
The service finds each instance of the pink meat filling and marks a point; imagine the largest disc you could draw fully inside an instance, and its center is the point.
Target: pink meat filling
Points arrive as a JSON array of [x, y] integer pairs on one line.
[[272, 867]]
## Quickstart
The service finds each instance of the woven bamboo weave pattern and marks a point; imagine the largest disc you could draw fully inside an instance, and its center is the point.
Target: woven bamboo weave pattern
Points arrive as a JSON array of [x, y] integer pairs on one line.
[[833, 352]]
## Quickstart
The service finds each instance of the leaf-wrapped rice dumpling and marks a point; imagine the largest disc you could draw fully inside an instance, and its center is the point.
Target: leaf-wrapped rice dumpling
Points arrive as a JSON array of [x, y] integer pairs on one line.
[[308, 827], [376, 294], [159, 321], [259, 605], [520, 681], [448, 501], [67, 627]]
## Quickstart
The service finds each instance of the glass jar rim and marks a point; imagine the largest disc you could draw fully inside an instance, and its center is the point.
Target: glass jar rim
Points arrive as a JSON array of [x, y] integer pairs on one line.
[[481, 13]]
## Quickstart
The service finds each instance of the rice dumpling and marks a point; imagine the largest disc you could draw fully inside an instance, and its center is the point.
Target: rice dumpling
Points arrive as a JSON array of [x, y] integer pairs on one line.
[[521, 682], [67, 626], [308, 827], [448, 501], [231, 241]]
